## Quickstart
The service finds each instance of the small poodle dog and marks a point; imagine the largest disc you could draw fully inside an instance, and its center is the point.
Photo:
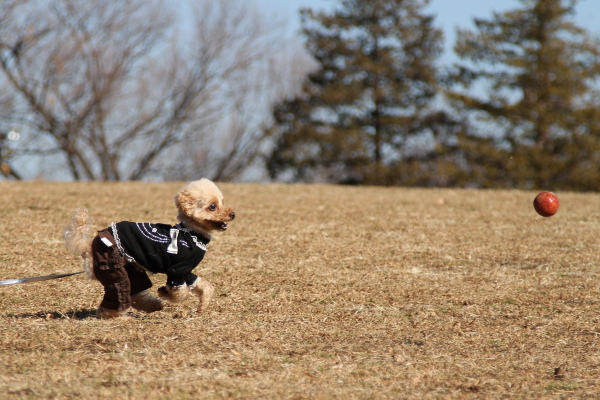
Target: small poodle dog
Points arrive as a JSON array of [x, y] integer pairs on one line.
[[121, 255]]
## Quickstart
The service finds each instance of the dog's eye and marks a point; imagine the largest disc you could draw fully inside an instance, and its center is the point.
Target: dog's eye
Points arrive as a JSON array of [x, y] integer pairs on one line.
[[212, 207]]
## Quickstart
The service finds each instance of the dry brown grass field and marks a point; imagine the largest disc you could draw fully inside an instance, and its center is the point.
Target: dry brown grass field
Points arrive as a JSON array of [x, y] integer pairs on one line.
[[322, 292]]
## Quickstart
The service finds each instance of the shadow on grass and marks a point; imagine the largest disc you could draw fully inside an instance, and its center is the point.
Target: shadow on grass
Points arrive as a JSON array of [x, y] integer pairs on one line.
[[76, 314]]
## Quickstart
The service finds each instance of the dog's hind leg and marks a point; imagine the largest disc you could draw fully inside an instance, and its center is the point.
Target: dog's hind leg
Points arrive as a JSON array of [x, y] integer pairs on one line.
[[106, 313]]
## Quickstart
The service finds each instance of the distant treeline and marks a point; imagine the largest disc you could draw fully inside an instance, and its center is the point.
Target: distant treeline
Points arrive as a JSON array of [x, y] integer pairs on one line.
[[123, 90], [519, 110]]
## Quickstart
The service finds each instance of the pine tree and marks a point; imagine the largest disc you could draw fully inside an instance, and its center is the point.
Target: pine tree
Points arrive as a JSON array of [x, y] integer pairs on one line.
[[530, 73], [370, 96]]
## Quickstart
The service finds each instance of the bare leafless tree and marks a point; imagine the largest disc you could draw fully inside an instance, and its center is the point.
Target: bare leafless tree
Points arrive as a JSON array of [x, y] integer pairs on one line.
[[233, 146], [70, 65], [259, 63], [7, 150], [122, 90]]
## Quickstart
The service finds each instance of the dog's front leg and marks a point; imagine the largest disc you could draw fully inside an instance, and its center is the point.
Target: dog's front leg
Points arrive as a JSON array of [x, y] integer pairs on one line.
[[204, 290], [174, 294]]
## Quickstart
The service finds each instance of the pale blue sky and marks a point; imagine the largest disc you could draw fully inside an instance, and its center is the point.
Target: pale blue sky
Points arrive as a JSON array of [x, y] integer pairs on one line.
[[450, 14]]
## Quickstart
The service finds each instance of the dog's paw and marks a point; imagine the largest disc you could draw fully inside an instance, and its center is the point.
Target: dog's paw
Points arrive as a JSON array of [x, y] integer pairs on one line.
[[144, 301]]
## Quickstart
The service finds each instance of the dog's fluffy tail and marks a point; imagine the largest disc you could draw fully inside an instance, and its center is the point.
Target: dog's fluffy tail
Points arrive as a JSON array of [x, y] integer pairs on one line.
[[78, 240]]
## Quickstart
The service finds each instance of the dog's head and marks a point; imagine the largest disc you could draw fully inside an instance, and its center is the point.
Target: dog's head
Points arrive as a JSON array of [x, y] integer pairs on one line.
[[201, 208]]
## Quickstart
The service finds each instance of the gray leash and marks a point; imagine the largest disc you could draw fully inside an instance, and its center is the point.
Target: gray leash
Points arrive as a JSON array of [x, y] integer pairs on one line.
[[37, 278]]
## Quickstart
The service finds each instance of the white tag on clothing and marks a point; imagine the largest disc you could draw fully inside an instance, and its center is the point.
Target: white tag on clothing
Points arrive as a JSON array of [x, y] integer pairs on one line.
[[173, 246], [106, 242]]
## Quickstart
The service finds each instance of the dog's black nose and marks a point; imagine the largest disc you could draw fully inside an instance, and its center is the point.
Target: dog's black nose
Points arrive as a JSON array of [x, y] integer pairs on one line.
[[232, 215]]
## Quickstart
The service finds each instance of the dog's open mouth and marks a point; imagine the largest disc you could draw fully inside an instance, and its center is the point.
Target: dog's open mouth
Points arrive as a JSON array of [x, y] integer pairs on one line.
[[220, 225]]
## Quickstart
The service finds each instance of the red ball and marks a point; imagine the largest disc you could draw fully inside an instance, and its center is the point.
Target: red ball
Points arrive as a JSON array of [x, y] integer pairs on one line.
[[546, 204]]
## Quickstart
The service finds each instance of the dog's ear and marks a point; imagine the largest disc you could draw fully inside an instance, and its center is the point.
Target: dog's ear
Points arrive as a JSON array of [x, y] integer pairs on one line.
[[186, 202]]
